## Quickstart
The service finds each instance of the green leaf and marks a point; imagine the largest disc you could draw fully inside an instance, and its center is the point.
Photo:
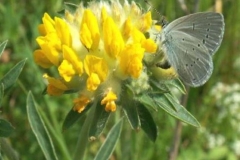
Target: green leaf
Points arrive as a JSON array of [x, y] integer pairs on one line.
[[69, 7], [166, 103], [147, 123], [44, 91], [11, 77], [171, 101], [83, 136], [2, 47], [108, 146], [73, 117], [1, 92], [99, 121], [5, 128], [39, 129], [130, 110], [147, 101], [160, 87], [177, 83]]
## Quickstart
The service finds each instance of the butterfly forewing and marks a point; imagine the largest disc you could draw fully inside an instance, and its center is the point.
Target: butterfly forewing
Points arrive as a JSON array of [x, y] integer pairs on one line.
[[208, 27]]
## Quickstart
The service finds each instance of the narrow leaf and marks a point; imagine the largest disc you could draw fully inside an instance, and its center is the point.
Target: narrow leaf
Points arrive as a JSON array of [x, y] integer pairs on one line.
[[1, 92], [2, 47], [173, 101], [169, 100], [147, 101], [159, 86], [73, 117], [147, 123], [39, 129], [70, 7], [178, 84], [130, 110], [83, 136], [108, 146], [5, 128], [11, 77], [100, 118], [180, 113]]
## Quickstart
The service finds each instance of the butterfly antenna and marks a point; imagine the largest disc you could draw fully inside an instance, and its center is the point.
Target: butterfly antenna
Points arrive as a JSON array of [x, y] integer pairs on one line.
[[163, 19]]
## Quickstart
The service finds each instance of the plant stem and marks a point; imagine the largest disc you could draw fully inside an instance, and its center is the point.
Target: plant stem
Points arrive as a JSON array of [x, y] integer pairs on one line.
[[173, 153], [83, 136]]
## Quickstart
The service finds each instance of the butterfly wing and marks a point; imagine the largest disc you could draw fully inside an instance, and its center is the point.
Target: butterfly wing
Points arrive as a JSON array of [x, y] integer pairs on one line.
[[205, 26], [191, 61], [189, 42]]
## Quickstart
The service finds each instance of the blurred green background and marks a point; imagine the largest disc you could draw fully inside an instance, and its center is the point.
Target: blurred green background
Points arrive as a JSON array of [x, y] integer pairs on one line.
[[216, 104]]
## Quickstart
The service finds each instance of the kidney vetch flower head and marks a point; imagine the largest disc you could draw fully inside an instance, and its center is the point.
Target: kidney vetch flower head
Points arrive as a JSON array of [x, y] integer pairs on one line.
[[101, 52]]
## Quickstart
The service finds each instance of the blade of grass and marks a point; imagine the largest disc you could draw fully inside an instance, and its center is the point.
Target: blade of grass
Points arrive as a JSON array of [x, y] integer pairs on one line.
[[40, 130]]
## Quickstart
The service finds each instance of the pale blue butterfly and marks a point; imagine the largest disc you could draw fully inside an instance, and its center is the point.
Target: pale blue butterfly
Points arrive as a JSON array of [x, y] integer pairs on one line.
[[190, 42]]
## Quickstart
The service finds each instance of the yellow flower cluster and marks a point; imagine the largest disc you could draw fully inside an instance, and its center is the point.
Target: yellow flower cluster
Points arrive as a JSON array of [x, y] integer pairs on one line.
[[94, 49]]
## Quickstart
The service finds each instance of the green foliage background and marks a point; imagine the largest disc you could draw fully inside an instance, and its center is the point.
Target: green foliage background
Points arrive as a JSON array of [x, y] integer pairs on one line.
[[18, 23]]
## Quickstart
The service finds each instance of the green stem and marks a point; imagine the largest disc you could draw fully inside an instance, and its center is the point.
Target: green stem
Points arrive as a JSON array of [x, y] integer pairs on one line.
[[118, 147], [83, 136]]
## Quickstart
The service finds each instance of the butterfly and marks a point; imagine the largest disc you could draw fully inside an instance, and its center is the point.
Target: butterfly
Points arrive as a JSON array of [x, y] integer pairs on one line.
[[189, 43]]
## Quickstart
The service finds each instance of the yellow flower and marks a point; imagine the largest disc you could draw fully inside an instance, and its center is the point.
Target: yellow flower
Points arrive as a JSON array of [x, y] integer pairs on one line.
[[50, 53], [89, 32], [66, 70], [93, 82], [54, 35], [51, 39], [103, 15], [47, 26], [127, 28], [138, 37], [55, 86], [149, 45], [41, 59], [113, 41], [80, 103], [131, 60], [109, 101], [63, 32], [97, 70], [146, 22], [70, 65], [94, 50]]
